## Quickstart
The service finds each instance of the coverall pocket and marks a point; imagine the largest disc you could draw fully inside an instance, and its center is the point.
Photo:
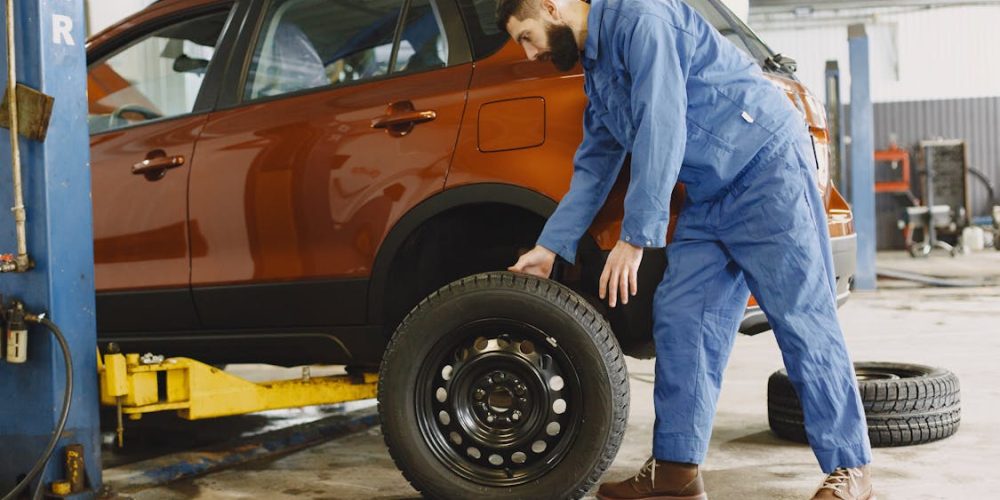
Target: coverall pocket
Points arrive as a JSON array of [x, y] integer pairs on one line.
[[779, 205], [705, 149]]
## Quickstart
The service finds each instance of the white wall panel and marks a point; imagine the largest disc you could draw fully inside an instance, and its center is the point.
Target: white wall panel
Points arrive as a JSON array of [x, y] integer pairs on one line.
[[104, 13], [929, 54]]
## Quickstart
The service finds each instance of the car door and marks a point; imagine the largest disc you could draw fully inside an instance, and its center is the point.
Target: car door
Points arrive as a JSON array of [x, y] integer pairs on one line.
[[147, 106], [344, 116]]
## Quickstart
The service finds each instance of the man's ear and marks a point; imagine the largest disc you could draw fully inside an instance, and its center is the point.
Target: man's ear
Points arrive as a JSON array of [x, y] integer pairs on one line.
[[549, 7]]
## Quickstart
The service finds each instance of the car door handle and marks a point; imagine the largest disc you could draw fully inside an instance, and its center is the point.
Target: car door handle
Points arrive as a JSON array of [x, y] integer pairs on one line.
[[156, 164], [414, 118], [401, 117]]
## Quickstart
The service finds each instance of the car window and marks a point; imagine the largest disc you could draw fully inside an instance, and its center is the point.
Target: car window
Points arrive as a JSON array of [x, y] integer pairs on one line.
[[306, 44], [158, 76], [720, 22], [422, 44], [480, 21], [731, 28]]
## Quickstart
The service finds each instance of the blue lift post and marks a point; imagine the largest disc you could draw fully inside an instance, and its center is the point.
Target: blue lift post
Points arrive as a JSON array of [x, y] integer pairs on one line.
[[50, 58], [862, 174]]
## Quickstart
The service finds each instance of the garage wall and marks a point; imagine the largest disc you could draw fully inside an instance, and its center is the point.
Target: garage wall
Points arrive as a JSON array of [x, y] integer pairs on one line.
[[739, 7], [976, 121], [929, 54], [104, 13]]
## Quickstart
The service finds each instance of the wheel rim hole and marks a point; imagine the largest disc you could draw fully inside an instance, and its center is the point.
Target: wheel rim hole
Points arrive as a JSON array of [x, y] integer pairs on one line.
[[519, 457], [553, 428], [538, 446], [481, 344], [556, 383], [446, 372], [501, 400], [441, 395], [474, 452], [559, 406], [496, 459], [526, 347], [456, 438], [444, 417]]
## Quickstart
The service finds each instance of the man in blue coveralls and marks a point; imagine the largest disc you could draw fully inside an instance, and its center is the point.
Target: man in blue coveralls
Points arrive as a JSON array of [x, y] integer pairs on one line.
[[689, 106]]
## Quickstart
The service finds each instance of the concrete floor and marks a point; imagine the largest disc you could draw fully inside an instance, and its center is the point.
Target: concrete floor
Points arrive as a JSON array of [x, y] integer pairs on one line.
[[955, 328]]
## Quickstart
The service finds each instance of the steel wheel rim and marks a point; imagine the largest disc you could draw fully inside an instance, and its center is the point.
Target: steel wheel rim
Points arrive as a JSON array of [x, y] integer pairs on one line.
[[498, 402]]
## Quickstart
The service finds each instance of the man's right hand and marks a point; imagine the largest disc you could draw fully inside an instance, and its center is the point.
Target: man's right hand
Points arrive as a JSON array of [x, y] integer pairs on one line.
[[537, 262]]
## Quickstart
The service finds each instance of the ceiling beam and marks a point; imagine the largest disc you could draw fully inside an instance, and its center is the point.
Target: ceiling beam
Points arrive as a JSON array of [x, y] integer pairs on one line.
[[776, 6]]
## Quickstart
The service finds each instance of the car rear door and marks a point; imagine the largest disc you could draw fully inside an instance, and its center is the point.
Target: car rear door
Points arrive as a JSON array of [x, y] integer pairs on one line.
[[343, 116], [149, 91]]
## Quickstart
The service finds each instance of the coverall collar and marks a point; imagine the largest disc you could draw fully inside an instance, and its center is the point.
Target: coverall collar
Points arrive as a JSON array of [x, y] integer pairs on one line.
[[594, 19]]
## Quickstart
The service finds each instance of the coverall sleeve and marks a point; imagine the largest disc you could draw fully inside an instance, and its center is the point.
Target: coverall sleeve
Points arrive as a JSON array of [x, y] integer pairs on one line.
[[657, 59], [596, 165]]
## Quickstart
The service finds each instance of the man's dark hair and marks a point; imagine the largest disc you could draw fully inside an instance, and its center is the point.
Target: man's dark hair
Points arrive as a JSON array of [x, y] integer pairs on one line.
[[519, 9]]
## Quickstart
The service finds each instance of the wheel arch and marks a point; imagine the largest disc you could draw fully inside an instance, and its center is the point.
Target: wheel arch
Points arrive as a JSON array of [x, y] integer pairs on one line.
[[470, 195]]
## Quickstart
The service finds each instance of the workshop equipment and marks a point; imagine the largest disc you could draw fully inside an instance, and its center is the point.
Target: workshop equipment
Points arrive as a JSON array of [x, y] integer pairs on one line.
[[137, 385], [892, 171], [946, 197], [54, 218]]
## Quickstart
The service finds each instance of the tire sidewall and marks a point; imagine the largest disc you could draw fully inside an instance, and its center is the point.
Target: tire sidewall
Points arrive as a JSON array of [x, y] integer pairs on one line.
[[417, 338]]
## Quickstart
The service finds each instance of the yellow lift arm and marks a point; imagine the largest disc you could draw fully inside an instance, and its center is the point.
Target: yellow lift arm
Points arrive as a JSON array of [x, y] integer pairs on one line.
[[197, 391]]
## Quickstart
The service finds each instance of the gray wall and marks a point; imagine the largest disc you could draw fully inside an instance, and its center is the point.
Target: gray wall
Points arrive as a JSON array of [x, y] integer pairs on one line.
[[977, 121]]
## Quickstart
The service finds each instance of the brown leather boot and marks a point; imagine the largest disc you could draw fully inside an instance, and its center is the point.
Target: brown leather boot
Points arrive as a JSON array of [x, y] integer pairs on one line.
[[658, 481], [847, 484]]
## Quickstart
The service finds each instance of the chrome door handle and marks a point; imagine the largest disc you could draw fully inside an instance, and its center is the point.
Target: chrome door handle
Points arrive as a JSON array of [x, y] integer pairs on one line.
[[400, 118], [156, 164], [414, 118]]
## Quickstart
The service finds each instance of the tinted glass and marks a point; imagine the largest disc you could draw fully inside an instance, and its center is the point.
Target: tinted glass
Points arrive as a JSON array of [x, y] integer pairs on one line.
[[721, 23], [423, 44], [314, 43], [731, 27], [156, 77], [480, 21]]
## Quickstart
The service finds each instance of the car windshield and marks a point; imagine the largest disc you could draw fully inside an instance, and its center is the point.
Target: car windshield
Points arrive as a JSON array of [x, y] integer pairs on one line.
[[734, 30]]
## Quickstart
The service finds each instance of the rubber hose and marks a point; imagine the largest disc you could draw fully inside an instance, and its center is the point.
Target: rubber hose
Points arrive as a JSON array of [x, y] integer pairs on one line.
[[63, 416]]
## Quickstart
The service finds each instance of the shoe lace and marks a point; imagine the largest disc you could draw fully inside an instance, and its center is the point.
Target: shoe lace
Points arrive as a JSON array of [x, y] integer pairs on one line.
[[650, 468], [840, 480]]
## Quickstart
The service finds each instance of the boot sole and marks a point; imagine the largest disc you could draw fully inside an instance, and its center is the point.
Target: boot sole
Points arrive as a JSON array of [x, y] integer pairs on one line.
[[702, 496]]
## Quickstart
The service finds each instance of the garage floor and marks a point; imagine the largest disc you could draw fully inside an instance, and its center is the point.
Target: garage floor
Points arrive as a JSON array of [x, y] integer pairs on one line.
[[955, 328]]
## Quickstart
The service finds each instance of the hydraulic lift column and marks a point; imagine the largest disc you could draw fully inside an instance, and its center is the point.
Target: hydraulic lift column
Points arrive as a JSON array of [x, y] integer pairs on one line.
[[50, 58]]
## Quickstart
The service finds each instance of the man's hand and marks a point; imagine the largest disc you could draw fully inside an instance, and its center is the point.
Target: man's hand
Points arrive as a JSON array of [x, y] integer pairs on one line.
[[537, 262], [621, 273]]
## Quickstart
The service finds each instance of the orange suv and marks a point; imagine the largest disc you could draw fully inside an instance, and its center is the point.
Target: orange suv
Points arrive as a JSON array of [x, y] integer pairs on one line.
[[317, 181]]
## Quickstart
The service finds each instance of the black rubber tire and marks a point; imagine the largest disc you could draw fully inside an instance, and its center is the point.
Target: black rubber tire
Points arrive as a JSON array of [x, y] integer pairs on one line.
[[578, 331], [921, 405]]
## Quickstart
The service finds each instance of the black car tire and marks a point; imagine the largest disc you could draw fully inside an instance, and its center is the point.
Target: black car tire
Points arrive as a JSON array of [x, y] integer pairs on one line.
[[503, 338], [904, 404]]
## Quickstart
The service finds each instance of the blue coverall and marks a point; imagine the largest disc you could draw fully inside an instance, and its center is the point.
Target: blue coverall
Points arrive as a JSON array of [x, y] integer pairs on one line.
[[688, 105]]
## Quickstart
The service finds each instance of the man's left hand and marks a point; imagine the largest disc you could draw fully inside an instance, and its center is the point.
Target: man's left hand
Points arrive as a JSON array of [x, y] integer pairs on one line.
[[621, 273]]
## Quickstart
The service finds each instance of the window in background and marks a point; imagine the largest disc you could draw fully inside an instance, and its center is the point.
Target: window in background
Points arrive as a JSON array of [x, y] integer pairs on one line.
[[156, 77]]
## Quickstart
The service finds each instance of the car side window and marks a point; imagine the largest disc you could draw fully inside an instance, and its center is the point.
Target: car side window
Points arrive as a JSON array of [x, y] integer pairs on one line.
[[422, 44], [719, 21], [481, 23], [307, 44], [158, 76]]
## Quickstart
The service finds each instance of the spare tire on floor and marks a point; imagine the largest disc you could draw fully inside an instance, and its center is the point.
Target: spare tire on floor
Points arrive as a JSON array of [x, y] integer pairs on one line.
[[904, 404], [503, 386]]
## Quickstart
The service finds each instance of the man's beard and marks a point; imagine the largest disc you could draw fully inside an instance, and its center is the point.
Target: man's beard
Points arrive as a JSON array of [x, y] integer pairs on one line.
[[562, 47]]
